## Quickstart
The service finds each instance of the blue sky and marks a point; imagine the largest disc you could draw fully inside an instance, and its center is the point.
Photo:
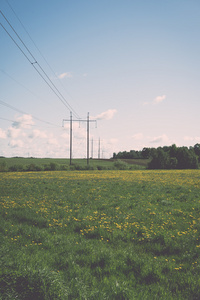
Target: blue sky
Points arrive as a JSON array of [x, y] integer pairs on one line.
[[133, 65]]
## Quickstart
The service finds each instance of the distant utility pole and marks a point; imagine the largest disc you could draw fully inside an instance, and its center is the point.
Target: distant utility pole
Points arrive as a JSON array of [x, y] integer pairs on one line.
[[92, 149], [70, 138], [88, 134], [99, 151]]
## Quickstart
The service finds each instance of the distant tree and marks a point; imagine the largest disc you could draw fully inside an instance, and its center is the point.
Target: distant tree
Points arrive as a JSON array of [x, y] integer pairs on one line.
[[114, 155], [167, 157], [132, 154], [197, 150], [173, 162], [173, 150], [146, 153], [186, 158], [160, 160]]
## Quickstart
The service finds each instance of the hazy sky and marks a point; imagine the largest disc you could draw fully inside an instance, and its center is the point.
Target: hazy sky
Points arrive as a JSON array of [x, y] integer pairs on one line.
[[133, 65]]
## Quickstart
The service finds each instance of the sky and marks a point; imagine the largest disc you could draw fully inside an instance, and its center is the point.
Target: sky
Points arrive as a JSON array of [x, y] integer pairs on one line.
[[132, 65]]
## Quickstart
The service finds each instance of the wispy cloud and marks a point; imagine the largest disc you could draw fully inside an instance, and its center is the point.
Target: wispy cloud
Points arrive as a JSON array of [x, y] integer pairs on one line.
[[192, 138], [52, 141], [16, 143], [159, 99], [106, 115], [138, 136], [25, 121], [13, 132], [155, 101], [160, 139], [2, 134], [36, 133], [66, 74]]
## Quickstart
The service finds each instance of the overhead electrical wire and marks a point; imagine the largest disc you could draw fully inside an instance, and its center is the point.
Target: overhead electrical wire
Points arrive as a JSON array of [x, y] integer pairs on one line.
[[28, 124], [38, 48], [22, 112], [19, 83], [34, 63]]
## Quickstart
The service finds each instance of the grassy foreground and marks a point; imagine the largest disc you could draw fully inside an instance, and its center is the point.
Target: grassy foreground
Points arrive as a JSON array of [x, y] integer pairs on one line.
[[100, 235]]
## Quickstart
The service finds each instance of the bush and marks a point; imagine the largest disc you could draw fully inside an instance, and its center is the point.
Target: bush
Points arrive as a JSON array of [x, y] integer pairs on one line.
[[120, 165], [63, 167], [16, 168], [3, 167], [53, 166], [100, 168], [33, 167]]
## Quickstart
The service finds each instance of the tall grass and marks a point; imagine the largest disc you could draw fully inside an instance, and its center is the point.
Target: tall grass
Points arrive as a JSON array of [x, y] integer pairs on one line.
[[100, 235]]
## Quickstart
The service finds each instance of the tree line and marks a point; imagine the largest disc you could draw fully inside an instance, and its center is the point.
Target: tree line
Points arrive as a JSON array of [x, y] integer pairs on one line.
[[167, 157]]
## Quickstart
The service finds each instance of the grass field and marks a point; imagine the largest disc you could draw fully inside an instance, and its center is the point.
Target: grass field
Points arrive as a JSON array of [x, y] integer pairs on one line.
[[50, 164], [100, 235]]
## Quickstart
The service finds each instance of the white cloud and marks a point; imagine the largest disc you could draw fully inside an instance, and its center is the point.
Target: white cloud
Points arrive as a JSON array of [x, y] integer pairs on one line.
[[52, 141], [79, 132], [113, 141], [66, 74], [106, 115], [16, 143], [25, 121], [160, 139], [155, 101], [191, 138], [13, 132], [159, 99], [2, 134], [65, 135], [138, 136], [37, 134]]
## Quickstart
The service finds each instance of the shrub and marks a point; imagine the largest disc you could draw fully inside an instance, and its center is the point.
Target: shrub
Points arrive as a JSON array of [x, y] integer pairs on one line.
[[16, 168], [120, 165], [3, 167], [53, 166], [33, 167]]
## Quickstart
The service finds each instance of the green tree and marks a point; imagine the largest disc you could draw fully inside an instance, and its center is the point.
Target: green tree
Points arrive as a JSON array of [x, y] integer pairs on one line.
[[146, 153], [186, 158], [160, 160], [197, 150]]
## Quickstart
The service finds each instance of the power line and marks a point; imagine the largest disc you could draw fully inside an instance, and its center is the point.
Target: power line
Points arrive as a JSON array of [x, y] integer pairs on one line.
[[38, 48], [34, 63], [19, 83], [22, 112], [16, 121]]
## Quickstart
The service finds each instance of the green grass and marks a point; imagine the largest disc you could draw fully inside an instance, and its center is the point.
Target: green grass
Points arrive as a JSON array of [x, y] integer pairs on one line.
[[100, 235], [43, 164]]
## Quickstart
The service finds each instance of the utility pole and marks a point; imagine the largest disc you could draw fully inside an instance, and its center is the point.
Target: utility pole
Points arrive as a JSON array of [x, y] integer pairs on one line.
[[92, 149], [70, 161], [88, 137], [99, 150], [88, 134]]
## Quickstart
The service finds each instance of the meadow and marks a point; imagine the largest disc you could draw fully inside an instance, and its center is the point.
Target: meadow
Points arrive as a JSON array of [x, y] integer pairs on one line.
[[100, 235], [16, 164]]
